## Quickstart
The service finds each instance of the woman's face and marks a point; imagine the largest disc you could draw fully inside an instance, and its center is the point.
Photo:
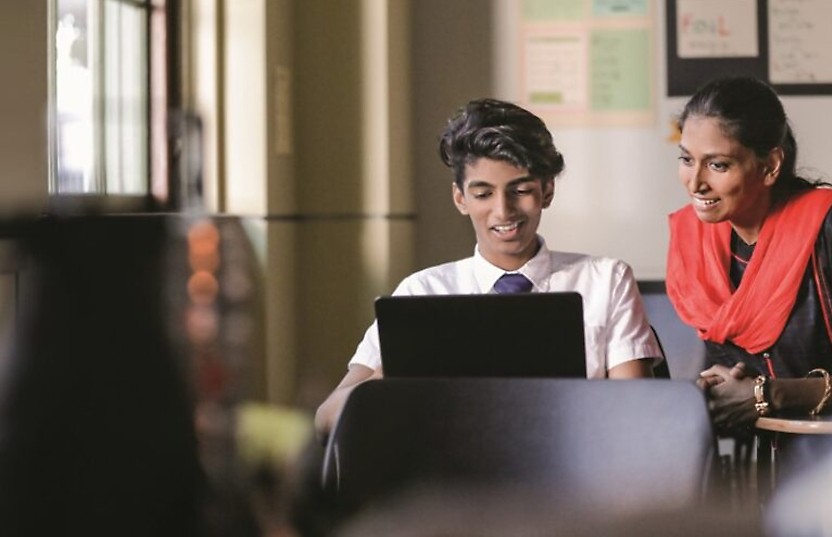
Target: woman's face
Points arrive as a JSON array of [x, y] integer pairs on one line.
[[725, 180]]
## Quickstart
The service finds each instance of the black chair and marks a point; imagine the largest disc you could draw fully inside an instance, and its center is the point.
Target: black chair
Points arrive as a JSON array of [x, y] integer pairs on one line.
[[620, 444], [661, 370], [683, 349]]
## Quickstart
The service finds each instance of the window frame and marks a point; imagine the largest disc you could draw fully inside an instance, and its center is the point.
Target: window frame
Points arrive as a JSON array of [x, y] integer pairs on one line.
[[163, 83]]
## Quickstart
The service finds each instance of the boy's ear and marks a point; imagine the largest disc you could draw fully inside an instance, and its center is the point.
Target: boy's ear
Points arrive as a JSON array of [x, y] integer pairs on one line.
[[459, 199], [548, 192]]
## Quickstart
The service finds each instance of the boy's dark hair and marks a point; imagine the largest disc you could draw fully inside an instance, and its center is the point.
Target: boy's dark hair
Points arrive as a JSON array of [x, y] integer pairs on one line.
[[498, 130]]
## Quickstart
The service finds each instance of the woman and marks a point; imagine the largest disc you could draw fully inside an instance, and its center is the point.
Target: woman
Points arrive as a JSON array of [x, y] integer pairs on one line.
[[750, 258]]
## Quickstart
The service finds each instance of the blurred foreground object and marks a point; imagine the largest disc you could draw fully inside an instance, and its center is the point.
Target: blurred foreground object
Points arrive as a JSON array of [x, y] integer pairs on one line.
[[626, 445], [127, 379], [802, 505], [273, 444], [489, 511], [96, 418]]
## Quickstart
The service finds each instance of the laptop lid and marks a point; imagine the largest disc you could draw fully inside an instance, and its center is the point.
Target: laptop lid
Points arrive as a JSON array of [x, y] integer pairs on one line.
[[493, 335]]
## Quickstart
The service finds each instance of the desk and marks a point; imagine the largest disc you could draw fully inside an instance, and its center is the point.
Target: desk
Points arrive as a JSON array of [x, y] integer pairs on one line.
[[803, 425], [767, 430]]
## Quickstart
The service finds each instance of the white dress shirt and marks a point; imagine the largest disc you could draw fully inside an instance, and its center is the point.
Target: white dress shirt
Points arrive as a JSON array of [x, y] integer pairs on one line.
[[616, 327]]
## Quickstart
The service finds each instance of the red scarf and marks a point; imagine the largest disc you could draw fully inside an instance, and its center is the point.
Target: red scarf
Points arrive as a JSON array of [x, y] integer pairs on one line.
[[754, 315]]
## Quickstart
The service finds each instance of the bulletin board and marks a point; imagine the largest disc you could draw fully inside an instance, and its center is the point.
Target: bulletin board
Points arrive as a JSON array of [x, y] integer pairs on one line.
[[587, 63], [787, 43]]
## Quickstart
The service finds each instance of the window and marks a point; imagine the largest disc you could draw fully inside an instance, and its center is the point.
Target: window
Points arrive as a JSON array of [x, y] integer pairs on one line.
[[109, 98]]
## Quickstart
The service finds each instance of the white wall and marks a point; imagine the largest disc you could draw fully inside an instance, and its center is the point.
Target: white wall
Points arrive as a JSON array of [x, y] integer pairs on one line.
[[620, 183]]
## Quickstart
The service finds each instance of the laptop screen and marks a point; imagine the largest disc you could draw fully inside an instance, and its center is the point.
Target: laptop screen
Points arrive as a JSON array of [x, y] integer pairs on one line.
[[493, 335]]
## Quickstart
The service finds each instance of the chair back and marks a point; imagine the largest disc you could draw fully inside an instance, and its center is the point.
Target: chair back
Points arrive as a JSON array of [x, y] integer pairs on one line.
[[684, 350], [660, 370], [622, 444]]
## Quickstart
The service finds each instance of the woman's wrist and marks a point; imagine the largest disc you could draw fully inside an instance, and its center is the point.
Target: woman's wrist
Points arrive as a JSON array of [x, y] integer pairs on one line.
[[795, 395]]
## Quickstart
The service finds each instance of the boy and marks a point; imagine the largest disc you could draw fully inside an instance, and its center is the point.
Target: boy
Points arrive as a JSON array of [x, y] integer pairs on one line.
[[504, 164]]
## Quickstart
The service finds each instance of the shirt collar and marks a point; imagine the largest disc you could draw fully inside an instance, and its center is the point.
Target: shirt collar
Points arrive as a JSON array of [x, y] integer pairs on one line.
[[536, 269]]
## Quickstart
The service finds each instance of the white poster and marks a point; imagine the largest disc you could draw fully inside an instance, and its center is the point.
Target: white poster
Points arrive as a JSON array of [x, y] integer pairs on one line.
[[800, 41], [717, 28], [556, 67]]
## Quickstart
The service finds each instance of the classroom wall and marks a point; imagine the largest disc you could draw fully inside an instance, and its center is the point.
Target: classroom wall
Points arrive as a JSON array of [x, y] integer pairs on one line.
[[452, 64], [355, 214], [23, 106], [314, 141]]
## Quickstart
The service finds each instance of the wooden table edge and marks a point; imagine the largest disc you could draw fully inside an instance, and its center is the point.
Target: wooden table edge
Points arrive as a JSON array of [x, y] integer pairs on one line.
[[822, 425]]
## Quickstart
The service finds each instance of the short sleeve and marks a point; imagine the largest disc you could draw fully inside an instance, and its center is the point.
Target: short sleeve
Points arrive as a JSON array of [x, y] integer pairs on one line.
[[629, 335]]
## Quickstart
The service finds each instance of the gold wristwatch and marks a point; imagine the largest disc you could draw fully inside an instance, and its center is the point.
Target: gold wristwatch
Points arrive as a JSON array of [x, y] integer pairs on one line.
[[761, 395]]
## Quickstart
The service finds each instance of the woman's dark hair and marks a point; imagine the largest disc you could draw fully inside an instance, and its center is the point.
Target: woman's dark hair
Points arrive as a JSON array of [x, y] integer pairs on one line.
[[498, 130], [750, 112]]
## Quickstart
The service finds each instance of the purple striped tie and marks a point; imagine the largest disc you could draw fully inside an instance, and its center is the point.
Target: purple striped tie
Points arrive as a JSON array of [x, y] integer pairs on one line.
[[512, 283]]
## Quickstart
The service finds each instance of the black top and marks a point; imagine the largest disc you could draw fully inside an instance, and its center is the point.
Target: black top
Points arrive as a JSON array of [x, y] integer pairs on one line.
[[804, 343]]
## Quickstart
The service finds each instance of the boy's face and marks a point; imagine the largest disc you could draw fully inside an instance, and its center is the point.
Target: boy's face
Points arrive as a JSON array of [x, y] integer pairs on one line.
[[505, 205]]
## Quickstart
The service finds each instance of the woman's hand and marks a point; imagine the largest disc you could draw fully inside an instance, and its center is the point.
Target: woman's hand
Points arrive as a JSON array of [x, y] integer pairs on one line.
[[718, 373], [730, 397]]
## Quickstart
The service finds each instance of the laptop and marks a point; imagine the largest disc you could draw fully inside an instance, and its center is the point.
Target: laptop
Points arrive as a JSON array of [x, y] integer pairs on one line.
[[493, 335]]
